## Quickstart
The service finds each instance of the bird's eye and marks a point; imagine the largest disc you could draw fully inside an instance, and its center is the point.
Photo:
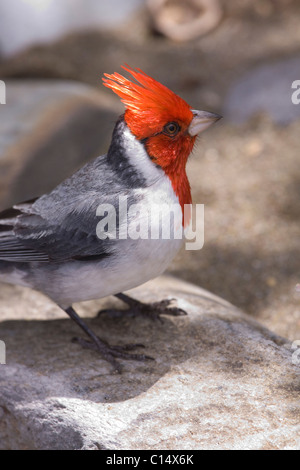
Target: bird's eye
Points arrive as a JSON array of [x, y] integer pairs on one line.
[[172, 128]]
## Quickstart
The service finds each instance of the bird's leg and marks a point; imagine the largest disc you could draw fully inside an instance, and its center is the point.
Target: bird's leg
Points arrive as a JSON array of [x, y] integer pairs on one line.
[[109, 353], [151, 310]]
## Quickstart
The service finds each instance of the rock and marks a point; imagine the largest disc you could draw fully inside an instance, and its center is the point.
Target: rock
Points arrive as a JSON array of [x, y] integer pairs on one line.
[[266, 88], [184, 22], [49, 21], [219, 380], [48, 129]]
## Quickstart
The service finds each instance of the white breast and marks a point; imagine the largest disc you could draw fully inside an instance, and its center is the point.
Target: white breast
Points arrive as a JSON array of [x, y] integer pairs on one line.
[[134, 261]]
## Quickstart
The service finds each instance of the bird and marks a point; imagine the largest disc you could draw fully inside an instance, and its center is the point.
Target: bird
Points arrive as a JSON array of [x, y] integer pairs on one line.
[[52, 243]]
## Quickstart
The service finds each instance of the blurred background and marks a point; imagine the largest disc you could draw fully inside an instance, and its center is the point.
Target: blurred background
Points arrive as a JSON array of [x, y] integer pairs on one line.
[[236, 58]]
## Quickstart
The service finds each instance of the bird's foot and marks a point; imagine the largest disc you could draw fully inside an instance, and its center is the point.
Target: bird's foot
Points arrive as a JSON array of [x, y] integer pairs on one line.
[[152, 310], [110, 353]]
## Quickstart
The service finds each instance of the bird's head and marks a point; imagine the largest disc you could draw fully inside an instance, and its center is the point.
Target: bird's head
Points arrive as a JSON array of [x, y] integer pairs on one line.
[[162, 121], [159, 118]]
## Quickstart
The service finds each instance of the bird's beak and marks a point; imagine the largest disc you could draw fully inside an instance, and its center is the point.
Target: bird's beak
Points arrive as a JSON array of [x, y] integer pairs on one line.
[[201, 121]]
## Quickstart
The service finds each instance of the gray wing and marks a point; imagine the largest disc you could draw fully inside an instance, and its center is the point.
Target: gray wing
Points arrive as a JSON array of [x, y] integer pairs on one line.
[[62, 225], [31, 237]]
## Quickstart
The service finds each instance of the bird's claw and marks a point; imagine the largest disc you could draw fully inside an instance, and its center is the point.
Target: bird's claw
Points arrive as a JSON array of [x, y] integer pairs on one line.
[[110, 353], [152, 310]]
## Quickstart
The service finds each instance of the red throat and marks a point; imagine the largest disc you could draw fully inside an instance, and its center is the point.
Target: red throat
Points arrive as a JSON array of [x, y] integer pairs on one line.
[[173, 158], [150, 106]]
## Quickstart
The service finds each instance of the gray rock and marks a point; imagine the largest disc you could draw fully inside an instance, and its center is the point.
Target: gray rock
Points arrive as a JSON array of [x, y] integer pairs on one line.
[[267, 88], [47, 130], [219, 380]]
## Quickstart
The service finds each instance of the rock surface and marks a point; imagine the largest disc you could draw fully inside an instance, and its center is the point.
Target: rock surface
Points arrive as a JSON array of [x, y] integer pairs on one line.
[[219, 380], [47, 130]]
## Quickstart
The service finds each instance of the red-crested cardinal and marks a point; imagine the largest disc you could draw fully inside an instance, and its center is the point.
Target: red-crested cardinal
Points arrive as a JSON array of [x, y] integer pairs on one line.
[[53, 244]]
